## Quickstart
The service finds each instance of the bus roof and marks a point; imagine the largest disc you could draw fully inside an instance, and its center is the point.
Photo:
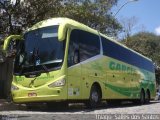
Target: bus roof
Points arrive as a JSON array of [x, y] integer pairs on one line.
[[61, 20]]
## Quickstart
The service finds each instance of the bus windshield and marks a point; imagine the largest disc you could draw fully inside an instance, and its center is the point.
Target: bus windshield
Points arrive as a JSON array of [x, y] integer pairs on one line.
[[41, 51]]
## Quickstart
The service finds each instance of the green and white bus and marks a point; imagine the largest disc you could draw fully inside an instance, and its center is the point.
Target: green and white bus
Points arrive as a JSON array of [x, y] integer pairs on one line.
[[63, 60]]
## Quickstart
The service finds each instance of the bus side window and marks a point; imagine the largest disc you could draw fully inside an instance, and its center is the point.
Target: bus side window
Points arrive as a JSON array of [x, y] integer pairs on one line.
[[73, 52], [89, 45], [83, 45]]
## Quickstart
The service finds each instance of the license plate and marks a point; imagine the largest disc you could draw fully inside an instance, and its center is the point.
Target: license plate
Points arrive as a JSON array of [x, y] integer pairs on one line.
[[32, 94]]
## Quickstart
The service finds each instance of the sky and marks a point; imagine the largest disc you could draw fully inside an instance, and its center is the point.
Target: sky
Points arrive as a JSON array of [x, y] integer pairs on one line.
[[147, 13]]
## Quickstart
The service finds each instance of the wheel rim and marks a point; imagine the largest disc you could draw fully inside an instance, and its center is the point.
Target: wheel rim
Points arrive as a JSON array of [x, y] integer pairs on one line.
[[95, 96]]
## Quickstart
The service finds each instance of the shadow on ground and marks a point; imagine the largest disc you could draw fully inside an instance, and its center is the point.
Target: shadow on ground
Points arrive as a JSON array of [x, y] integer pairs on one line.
[[73, 107]]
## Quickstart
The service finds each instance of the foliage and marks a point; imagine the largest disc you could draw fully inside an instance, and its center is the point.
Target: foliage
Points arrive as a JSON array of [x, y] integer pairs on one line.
[[96, 15], [23, 14], [145, 43], [16, 17], [129, 25]]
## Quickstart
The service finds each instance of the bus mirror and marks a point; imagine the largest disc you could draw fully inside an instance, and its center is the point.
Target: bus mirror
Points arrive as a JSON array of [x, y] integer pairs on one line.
[[10, 45]]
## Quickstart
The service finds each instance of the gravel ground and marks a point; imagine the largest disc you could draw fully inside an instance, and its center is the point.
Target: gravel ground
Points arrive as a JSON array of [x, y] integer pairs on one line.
[[124, 111]]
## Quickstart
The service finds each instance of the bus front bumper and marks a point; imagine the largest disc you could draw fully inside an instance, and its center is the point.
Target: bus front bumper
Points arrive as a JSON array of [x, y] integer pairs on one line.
[[42, 94]]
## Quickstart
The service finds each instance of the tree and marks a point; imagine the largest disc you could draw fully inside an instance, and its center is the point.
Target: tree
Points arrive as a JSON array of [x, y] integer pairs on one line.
[[128, 25], [7, 13], [146, 43], [94, 14], [23, 14]]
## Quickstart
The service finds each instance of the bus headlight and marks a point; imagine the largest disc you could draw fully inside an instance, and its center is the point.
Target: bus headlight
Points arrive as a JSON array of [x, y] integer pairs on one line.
[[13, 87], [57, 83]]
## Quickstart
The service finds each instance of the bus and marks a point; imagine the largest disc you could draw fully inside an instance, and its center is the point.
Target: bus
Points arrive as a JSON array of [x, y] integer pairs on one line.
[[62, 60]]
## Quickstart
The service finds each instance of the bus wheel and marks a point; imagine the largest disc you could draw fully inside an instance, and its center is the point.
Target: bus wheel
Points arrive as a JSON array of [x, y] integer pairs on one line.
[[142, 97], [94, 98], [147, 96]]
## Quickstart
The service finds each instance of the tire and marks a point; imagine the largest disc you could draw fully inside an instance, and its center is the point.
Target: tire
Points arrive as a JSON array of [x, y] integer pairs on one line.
[[147, 97], [95, 97], [142, 97]]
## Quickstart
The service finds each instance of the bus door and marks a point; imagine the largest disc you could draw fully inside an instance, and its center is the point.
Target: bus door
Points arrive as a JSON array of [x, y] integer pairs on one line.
[[74, 67], [89, 56]]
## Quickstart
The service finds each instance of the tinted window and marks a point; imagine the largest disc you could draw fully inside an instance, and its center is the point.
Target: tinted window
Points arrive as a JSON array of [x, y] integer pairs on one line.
[[73, 47], [120, 53], [89, 45], [44, 42], [41, 48], [83, 43]]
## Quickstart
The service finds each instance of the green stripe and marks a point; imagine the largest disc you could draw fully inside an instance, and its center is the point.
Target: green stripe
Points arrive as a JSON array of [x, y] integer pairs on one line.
[[123, 91]]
